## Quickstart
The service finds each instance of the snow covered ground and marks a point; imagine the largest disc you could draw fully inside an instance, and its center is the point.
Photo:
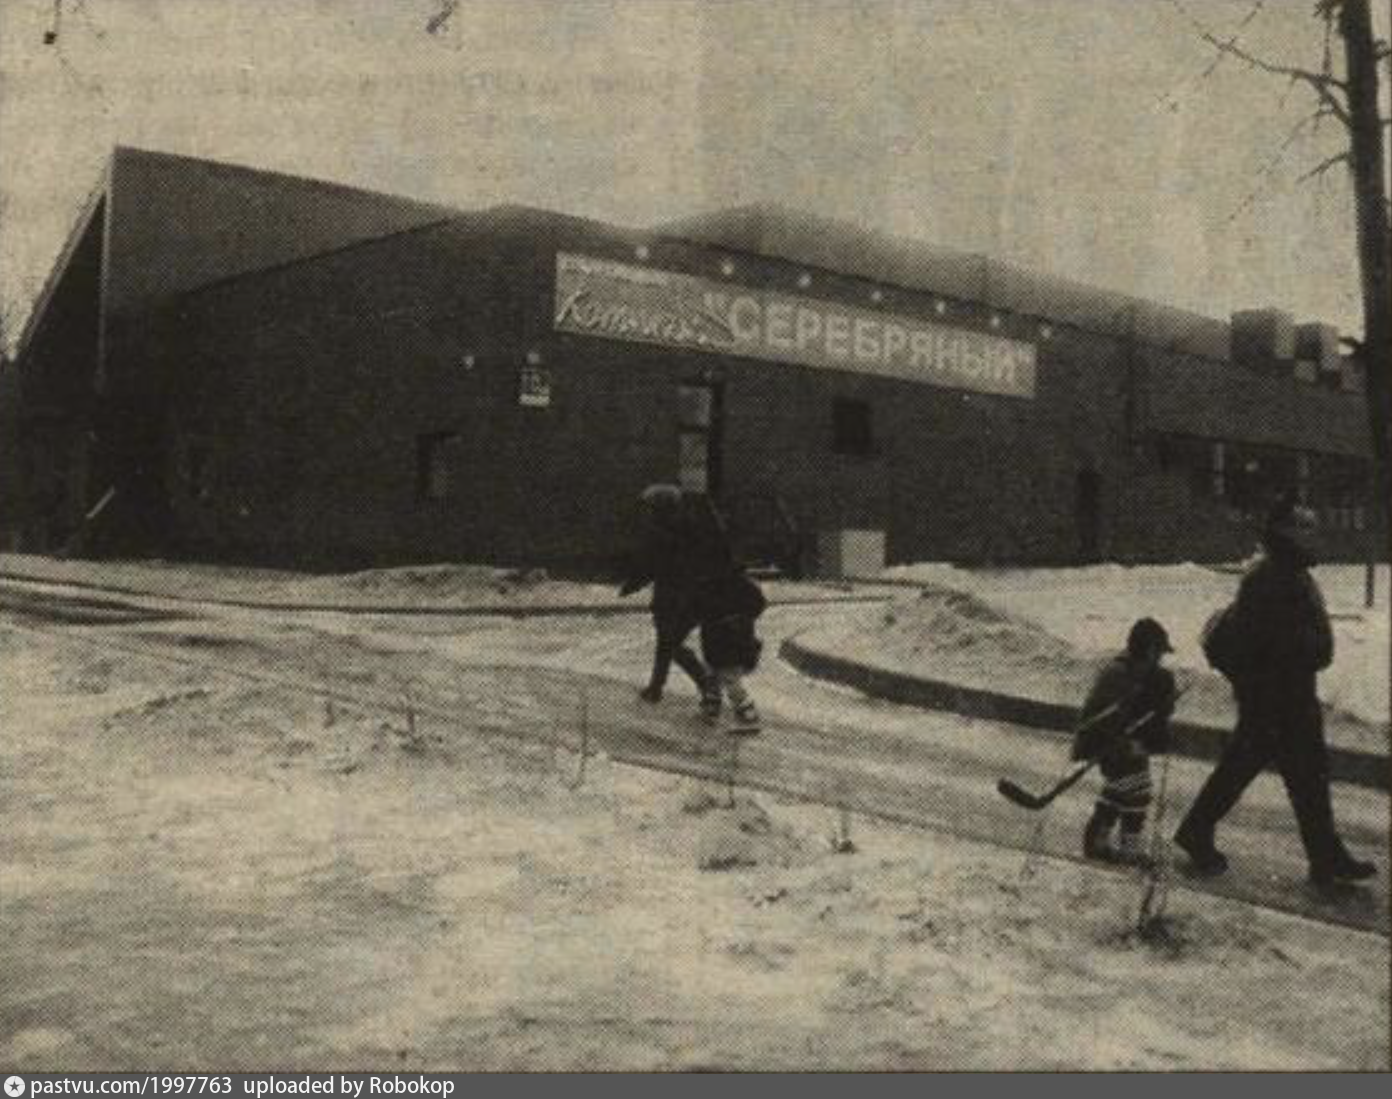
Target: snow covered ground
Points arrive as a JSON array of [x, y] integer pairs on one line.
[[1092, 608], [429, 587], [197, 871]]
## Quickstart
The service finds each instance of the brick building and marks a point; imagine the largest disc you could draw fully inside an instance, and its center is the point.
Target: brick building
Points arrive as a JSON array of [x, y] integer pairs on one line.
[[229, 363]]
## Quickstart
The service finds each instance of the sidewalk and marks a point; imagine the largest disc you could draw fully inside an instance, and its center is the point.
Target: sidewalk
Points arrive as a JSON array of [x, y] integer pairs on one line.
[[815, 653]]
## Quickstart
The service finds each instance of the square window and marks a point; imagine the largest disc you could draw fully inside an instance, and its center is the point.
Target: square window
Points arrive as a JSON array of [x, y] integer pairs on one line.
[[851, 428]]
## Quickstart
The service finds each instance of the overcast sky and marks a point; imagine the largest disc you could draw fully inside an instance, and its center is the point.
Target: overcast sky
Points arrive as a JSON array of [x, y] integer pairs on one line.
[[1089, 138]]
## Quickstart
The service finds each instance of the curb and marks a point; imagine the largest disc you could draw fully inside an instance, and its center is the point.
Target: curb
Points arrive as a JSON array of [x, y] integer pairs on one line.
[[1192, 739]]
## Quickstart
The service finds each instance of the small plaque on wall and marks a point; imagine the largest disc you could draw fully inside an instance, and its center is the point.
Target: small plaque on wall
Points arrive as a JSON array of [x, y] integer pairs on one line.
[[534, 387]]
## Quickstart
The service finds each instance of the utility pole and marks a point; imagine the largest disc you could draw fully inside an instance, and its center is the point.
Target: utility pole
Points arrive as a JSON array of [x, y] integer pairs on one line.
[[1367, 168], [1352, 99]]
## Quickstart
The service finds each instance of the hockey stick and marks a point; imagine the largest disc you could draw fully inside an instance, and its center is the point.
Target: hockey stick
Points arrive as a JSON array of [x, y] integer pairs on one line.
[[1023, 798], [1020, 796], [1013, 792]]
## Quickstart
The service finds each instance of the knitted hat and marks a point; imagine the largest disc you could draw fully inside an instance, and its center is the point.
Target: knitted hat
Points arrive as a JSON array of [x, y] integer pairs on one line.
[[661, 497], [1147, 633]]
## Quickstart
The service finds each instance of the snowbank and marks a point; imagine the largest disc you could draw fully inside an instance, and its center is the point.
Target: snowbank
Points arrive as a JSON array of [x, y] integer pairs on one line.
[[427, 587], [1091, 609]]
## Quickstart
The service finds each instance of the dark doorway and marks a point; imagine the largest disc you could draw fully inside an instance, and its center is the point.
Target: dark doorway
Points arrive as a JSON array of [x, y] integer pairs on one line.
[[700, 411]]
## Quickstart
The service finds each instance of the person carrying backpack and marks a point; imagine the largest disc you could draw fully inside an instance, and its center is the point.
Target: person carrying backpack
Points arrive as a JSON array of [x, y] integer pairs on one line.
[[1272, 643], [682, 546]]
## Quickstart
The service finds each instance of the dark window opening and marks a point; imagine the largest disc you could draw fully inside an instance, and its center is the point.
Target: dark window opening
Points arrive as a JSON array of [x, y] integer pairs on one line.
[[699, 408], [433, 464], [851, 428], [1246, 477]]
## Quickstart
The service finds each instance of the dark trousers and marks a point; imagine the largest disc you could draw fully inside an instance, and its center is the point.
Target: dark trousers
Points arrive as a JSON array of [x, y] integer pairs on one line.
[[1288, 728], [672, 632]]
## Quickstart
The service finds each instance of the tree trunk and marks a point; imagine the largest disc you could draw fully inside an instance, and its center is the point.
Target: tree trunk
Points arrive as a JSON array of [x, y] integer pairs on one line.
[[1368, 169]]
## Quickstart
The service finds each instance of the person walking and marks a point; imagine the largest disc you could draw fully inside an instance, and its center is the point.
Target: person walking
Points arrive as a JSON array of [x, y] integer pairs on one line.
[[1280, 641], [729, 604], [1126, 720], [681, 547]]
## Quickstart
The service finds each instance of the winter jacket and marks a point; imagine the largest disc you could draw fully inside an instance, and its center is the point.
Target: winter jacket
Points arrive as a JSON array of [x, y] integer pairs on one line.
[[681, 556], [1130, 694], [728, 605], [1280, 618]]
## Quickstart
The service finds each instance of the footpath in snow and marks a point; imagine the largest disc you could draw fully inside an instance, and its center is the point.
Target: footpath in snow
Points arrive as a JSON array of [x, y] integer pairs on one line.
[[1026, 644], [445, 588], [1033, 634]]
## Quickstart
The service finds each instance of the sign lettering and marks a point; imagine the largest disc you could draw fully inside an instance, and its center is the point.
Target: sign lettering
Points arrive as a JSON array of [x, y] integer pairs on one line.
[[596, 297]]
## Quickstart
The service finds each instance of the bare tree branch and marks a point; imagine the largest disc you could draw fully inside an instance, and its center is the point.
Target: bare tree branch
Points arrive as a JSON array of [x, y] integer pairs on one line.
[[441, 18], [1170, 100], [1268, 170], [1324, 165], [1324, 84]]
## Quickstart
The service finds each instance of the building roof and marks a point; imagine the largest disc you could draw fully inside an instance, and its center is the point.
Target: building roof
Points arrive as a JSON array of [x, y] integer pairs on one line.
[[179, 222], [770, 229]]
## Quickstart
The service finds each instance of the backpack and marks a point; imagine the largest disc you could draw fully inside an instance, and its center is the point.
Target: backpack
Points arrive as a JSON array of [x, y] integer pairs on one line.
[[748, 596], [1222, 641]]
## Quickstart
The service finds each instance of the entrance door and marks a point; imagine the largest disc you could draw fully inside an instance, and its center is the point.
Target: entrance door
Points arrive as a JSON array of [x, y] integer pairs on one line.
[[699, 430]]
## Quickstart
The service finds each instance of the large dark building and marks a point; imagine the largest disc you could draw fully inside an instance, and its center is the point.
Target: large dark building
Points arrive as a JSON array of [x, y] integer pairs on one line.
[[229, 363]]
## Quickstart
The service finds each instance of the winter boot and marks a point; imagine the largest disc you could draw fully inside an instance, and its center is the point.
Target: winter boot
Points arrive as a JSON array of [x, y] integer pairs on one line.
[[651, 694], [1343, 868], [710, 701], [1097, 842], [746, 719], [1206, 859], [1130, 851]]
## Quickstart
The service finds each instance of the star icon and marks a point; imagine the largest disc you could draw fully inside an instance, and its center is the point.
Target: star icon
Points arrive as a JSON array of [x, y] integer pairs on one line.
[[14, 1086]]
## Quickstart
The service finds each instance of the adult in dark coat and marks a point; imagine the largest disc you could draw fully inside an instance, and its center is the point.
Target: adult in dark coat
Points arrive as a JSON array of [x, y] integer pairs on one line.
[[684, 546], [1284, 640]]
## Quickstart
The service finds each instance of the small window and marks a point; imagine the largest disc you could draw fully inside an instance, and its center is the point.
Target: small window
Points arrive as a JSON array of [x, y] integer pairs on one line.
[[1218, 472], [851, 432], [433, 465]]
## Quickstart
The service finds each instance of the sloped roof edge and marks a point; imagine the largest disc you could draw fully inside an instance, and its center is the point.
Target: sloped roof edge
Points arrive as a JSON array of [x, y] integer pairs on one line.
[[300, 182], [90, 205]]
